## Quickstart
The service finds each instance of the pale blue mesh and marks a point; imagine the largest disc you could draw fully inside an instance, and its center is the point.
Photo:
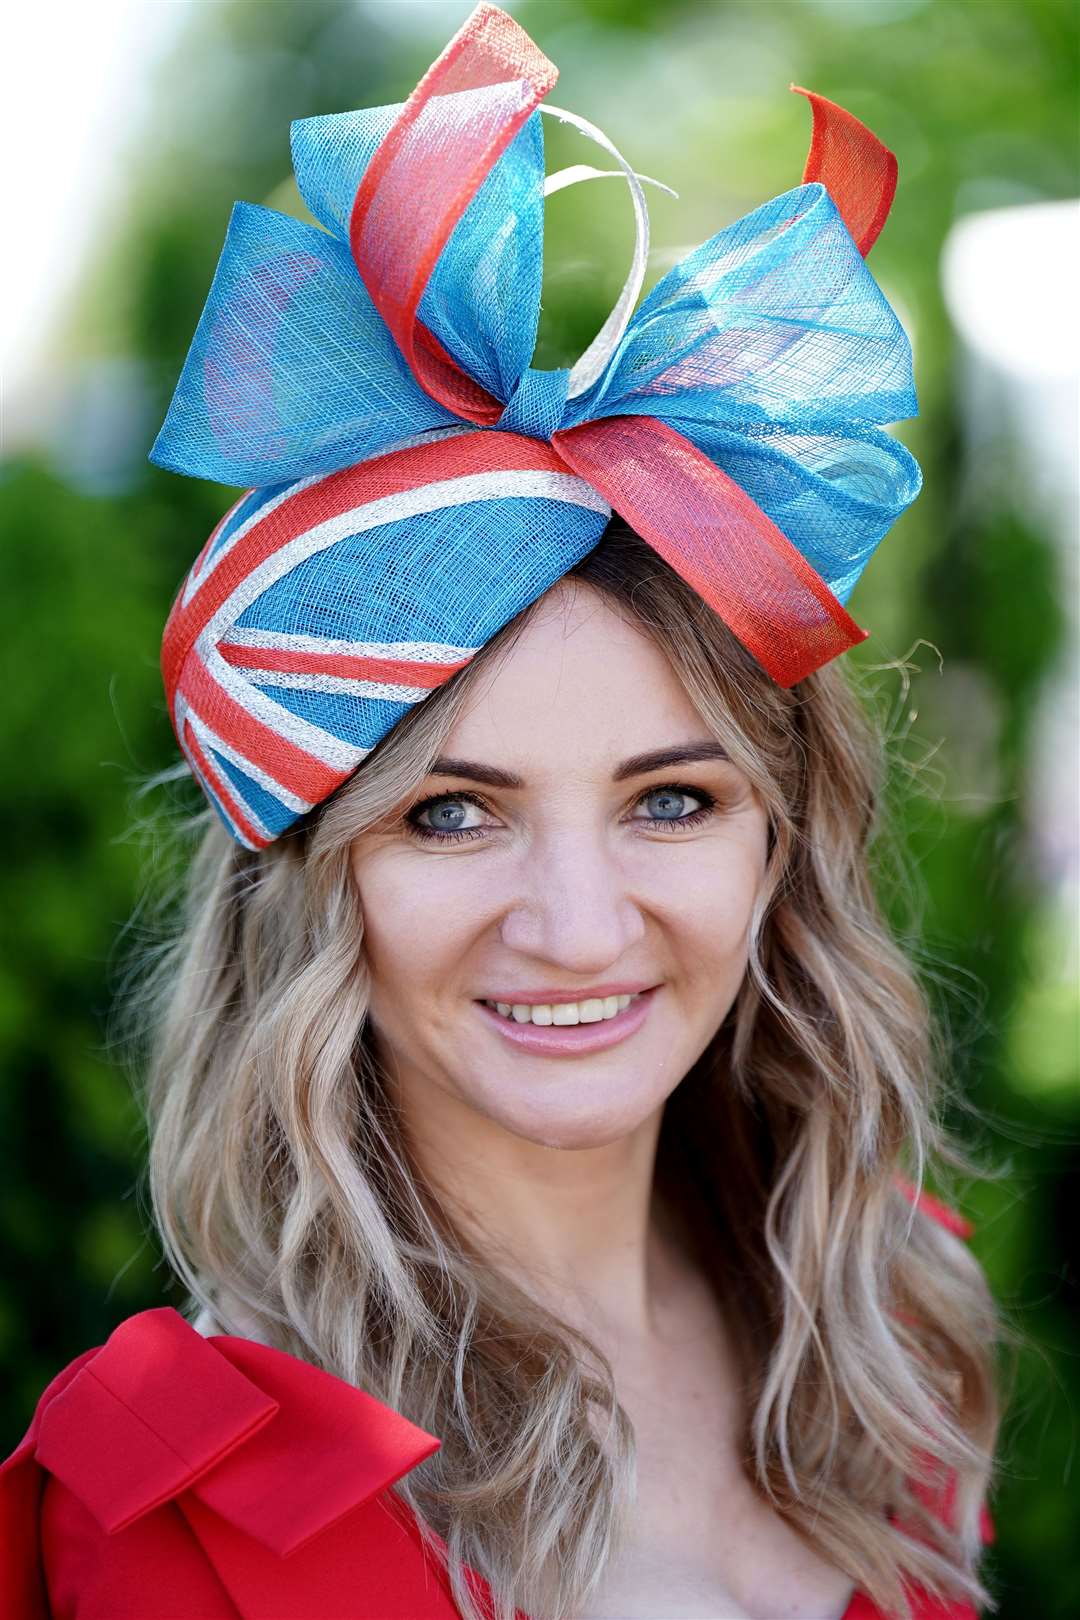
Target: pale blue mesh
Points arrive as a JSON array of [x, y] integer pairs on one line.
[[483, 300], [770, 348], [776, 319]]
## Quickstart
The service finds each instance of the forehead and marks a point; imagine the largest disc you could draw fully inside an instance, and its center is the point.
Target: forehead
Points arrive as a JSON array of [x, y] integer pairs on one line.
[[579, 678]]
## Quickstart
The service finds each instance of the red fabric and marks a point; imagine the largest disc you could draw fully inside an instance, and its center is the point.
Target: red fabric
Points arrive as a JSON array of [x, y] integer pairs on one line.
[[344, 665], [950, 1218], [719, 540], [223, 1477], [462, 115], [427, 169], [168, 1474], [856, 169]]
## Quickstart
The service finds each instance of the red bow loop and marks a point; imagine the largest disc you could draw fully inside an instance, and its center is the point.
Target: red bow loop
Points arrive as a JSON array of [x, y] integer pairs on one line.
[[708, 529], [856, 169], [276, 1447], [458, 121]]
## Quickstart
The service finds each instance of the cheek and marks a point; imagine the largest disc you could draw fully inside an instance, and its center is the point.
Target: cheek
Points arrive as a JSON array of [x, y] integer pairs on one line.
[[708, 894], [414, 933]]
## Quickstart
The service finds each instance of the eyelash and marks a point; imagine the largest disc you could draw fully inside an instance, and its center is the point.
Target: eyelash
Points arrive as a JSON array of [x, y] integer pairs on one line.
[[461, 834]]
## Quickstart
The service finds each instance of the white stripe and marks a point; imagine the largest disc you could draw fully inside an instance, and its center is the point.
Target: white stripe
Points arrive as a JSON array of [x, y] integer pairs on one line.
[[447, 492], [559, 179], [414, 652], [210, 739], [328, 749], [592, 364], [194, 581], [338, 684], [212, 541], [185, 713]]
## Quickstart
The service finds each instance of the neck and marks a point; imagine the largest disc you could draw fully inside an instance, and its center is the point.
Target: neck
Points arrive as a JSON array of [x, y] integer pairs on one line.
[[581, 1229]]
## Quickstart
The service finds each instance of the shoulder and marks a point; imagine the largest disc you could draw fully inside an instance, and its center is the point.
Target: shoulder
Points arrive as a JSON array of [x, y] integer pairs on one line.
[[152, 1449]]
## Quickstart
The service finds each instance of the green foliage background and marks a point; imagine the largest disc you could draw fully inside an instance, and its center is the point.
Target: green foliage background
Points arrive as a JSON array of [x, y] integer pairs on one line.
[[978, 100]]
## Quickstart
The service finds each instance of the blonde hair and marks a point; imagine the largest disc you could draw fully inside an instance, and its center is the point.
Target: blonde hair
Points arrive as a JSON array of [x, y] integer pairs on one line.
[[285, 1197]]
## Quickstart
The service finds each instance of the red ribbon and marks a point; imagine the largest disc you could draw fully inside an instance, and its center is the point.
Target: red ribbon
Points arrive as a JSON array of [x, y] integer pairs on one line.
[[721, 542], [426, 171], [462, 115]]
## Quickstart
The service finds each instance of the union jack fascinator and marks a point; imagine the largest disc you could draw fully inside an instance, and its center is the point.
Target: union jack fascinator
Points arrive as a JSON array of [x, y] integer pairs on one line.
[[415, 483]]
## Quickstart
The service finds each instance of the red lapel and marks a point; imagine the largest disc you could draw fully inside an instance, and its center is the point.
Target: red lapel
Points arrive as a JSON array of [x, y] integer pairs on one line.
[[278, 1467]]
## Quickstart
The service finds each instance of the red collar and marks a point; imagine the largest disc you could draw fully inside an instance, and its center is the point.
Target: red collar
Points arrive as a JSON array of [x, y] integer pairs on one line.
[[277, 1447]]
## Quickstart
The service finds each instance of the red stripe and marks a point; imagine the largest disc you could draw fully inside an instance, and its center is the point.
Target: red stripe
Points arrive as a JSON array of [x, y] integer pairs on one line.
[[170, 668], [718, 539], [222, 789], [297, 770], [366, 481], [170, 665], [212, 541], [856, 169], [427, 169], [348, 666]]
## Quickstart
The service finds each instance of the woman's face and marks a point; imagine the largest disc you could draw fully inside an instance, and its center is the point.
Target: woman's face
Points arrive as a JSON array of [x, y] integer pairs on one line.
[[551, 866]]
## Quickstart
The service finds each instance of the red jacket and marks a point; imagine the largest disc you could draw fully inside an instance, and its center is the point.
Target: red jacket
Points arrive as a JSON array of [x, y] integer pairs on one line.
[[170, 1477], [167, 1476]]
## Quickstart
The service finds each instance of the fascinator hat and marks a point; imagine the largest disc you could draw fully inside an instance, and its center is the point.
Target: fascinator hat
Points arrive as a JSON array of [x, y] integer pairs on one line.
[[412, 483]]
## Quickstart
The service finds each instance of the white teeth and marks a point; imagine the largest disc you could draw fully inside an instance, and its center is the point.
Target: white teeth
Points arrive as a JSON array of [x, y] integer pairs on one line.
[[593, 1011]]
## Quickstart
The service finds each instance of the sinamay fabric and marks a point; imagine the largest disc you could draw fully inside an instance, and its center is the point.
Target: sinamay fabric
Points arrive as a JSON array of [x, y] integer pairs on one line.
[[416, 484]]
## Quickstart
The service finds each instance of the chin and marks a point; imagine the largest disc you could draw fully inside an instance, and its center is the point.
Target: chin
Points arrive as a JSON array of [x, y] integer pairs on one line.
[[561, 1119]]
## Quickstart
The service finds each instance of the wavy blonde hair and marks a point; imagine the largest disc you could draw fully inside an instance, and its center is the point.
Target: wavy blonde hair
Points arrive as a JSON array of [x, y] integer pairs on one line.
[[285, 1196]]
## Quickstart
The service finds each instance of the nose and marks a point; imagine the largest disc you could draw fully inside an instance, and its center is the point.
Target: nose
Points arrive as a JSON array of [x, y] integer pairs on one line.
[[575, 909]]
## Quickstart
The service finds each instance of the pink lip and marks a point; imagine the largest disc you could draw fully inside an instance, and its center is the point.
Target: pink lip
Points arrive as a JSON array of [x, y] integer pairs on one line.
[[596, 992], [572, 1040]]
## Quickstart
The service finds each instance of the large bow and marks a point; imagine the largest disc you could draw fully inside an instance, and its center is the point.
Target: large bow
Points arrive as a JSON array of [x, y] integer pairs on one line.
[[732, 420]]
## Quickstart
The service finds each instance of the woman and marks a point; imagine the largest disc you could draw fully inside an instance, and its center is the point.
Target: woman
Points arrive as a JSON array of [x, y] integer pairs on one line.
[[532, 1106]]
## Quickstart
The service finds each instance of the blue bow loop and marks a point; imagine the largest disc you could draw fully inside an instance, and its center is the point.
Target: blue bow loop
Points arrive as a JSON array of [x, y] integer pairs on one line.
[[774, 351], [776, 320], [330, 155], [291, 371], [483, 299], [834, 495]]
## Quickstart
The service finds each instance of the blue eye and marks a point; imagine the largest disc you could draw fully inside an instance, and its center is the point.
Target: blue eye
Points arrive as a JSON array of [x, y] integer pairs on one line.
[[671, 799], [447, 817], [667, 803], [441, 819]]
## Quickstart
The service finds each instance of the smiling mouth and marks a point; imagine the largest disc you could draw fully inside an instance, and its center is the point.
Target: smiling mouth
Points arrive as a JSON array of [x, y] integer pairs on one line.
[[563, 1014], [567, 1034]]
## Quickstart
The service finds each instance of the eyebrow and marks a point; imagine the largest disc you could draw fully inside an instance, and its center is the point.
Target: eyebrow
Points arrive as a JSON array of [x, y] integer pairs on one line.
[[657, 759]]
